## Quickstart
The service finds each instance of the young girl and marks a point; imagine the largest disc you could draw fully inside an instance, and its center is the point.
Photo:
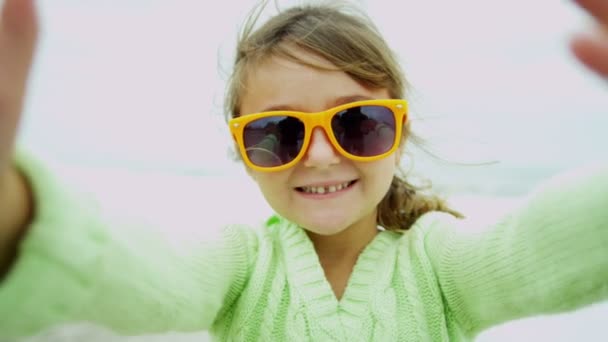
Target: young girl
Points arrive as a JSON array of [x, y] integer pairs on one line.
[[353, 253]]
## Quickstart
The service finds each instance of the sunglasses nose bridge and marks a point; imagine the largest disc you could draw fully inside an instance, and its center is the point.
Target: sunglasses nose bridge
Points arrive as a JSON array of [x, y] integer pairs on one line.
[[321, 120], [318, 120]]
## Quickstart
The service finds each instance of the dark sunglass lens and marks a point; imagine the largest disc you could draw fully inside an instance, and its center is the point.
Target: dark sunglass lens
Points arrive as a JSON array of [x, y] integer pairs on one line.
[[365, 131], [273, 141]]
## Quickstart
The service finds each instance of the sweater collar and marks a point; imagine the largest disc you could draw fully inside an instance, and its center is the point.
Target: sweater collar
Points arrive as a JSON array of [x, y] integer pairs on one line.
[[305, 273]]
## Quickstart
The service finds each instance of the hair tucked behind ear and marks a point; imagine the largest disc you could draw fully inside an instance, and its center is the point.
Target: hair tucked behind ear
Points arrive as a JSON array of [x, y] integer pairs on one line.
[[404, 204], [348, 39]]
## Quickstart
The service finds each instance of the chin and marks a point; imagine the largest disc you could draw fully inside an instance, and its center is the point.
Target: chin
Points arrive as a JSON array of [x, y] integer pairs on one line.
[[324, 232], [325, 226]]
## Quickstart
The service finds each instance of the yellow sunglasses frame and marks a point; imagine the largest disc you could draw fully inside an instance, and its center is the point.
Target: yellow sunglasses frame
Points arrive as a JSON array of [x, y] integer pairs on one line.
[[322, 119]]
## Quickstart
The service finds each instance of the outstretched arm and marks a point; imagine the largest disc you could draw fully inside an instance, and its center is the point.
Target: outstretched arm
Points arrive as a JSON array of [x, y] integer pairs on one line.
[[83, 259], [549, 255]]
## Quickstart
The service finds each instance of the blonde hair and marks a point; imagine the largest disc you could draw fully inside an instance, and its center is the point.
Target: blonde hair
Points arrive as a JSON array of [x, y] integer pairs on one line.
[[348, 40]]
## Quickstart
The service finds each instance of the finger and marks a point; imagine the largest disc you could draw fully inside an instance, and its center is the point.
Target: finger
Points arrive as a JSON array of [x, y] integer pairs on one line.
[[592, 51], [18, 34], [596, 8], [19, 18]]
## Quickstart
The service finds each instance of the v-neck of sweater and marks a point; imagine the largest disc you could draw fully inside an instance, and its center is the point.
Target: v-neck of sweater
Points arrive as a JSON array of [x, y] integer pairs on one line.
[[305, 272]]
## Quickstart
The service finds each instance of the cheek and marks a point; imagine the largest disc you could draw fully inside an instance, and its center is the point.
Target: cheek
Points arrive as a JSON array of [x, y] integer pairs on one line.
[[380, 175], [387, 176], [272, 185]]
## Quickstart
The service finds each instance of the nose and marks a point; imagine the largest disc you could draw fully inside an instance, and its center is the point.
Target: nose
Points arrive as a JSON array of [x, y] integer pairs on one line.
[[321, 153]]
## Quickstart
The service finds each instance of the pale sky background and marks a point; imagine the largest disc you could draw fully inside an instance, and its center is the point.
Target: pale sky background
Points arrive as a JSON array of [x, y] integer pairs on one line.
[[137, 82], [134, 83]]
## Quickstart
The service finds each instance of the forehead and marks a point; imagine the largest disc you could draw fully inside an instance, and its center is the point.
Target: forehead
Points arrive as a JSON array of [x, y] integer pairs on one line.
[[281, 83]]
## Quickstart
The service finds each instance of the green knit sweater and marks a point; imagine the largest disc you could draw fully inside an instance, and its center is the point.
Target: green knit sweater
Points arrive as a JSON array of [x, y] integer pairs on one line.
[[437, 282]]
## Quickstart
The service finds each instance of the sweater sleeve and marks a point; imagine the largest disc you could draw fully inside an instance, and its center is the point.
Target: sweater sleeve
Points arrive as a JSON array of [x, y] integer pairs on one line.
[[549, 255], [77, 264]]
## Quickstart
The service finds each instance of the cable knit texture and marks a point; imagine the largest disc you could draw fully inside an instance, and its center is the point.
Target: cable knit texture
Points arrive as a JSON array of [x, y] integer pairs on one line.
[[439, 281]]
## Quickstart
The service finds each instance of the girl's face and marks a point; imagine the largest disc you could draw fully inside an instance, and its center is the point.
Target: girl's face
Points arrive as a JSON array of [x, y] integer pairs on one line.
[[278, 83]]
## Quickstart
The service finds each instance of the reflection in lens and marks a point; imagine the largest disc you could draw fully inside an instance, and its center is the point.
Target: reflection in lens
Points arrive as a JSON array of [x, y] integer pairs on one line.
[[365, 131], [273, 141]]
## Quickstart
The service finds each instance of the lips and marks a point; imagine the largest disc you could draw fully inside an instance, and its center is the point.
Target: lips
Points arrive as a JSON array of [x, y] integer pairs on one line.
[[325, 187]]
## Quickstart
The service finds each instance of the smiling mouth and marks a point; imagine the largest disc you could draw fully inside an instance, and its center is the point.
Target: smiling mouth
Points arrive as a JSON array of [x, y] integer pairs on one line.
[[325, 189]]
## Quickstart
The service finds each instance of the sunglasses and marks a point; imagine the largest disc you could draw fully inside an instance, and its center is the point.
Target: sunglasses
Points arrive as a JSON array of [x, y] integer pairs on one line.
[[361, 131]]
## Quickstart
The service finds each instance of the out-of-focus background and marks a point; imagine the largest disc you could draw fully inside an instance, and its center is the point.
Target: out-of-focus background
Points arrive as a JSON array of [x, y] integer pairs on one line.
[[129, 94]]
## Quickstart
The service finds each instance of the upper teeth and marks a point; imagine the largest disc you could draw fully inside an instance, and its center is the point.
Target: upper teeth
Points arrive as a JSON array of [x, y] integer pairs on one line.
[[325, 189]]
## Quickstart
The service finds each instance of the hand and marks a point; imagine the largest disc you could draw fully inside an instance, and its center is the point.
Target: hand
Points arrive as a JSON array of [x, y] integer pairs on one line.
[[591, 48], [18, 35]]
